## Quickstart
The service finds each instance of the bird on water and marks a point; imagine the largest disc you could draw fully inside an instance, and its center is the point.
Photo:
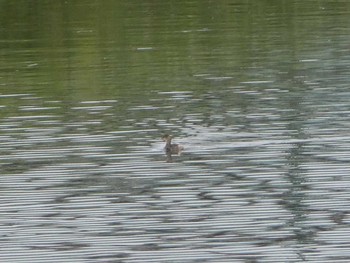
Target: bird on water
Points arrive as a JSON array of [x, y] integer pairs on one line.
[[171, 148]]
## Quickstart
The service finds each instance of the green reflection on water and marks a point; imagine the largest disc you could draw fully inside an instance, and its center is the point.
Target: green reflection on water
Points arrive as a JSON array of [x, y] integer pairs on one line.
[[96, 49]]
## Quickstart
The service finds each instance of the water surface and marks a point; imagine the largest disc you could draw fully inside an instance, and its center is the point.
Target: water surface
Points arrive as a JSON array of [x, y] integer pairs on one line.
[[257, 92]]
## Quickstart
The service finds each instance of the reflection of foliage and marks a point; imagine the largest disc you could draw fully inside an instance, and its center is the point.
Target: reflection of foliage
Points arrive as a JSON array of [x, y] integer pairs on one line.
[[114, 48]]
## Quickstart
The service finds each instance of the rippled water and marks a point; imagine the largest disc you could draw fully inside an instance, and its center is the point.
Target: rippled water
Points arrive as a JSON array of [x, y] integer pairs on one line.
[[264, 174]]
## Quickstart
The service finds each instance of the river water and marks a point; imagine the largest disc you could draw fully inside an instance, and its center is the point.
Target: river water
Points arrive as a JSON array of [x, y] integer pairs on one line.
[[257, 92]]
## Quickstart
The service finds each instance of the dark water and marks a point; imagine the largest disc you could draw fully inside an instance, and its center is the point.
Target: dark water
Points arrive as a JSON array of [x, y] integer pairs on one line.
[[256, 91]]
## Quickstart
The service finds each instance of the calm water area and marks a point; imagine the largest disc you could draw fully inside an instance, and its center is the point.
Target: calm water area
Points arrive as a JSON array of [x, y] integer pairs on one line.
[[257, 92]]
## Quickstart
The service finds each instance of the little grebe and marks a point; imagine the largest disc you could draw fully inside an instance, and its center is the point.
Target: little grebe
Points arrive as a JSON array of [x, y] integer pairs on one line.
[[171, 148]]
